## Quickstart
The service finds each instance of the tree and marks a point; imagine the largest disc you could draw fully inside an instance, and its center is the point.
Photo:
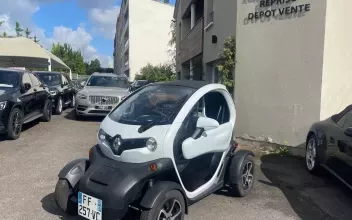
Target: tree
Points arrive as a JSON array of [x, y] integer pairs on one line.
[[157, 73], [36, 39], [18, 29], [4, 34], [227, 62], [72, 58], [172, 43], [27, 32], [93, 66]]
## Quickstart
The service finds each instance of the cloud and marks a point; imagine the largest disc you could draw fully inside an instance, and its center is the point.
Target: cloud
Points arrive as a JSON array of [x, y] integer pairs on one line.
[[104, 20], [23, 10]]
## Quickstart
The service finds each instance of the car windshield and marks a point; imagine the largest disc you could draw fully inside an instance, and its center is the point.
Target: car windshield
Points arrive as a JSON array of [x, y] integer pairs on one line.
[[155, 104], [9, 79], [50, 79], [108, 81], [141, 83]]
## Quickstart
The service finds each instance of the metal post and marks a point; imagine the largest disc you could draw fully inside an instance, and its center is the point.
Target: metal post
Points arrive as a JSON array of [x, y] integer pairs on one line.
[[49, 66]]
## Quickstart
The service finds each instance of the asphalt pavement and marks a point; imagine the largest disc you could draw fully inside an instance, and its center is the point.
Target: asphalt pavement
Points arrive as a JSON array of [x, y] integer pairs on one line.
[[283, 189]]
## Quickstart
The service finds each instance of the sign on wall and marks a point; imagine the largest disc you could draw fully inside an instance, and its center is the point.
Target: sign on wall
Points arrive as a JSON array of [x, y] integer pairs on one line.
[[274, 8]]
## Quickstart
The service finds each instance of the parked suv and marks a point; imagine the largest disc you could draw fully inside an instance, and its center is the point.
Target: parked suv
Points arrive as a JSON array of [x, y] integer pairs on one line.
[[61, 88], [101, 93], [23, 98]]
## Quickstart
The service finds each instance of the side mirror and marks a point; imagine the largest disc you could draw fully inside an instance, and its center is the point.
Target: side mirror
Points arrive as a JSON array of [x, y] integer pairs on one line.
[[348, 132], [27, 86], [82, 84], [207, 123]]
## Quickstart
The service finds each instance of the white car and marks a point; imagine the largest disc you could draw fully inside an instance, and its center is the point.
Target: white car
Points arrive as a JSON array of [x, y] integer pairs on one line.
[[163, 148], [100, 94]]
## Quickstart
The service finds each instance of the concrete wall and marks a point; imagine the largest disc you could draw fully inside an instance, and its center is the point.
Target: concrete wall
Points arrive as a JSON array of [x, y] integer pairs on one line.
[[279, 72], [337, 72], [149, 34], [224, 25]]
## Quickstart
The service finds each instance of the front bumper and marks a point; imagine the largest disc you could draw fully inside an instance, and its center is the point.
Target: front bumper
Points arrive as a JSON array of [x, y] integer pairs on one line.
[[117, 184], [85, 108]]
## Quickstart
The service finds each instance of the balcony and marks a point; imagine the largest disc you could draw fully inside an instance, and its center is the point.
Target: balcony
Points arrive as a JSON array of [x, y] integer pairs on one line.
[[125, 27], [127, 44], [185, 5], [192, 43], [126, 7]]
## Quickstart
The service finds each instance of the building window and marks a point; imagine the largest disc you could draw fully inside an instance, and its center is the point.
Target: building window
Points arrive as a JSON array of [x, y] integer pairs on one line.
[[210, 11]]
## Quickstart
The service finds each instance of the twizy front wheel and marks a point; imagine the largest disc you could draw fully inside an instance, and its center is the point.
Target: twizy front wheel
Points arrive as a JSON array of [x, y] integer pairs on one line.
[[172, 207]]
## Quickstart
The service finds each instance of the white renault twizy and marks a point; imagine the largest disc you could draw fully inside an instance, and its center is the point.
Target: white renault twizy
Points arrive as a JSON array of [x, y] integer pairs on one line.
[[163, 148]]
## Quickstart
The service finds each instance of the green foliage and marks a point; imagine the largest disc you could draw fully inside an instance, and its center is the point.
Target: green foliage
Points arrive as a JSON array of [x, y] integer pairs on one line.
[[157, 73], [282, 150], [172, 43], [18, 29], [93, 66], [28, 33], [227, 62], [4, 34], [72, 58], [36, 39]]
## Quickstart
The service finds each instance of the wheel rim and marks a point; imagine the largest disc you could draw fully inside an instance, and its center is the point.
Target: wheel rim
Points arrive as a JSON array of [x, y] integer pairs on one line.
[[73, 100], [311, 154], [247, 175], [171, 210], [60, 105], [16, 123]]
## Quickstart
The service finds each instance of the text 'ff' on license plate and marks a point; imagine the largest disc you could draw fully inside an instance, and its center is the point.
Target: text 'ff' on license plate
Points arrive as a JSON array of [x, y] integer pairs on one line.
[[89, 207]]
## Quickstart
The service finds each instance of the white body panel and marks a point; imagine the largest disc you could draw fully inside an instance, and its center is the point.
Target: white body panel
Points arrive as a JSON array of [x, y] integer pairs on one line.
[[216, 140]]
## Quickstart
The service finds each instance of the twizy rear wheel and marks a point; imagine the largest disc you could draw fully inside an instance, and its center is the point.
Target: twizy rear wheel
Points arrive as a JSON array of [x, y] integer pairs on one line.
[[171, 208], [63, 197], [242, 184]]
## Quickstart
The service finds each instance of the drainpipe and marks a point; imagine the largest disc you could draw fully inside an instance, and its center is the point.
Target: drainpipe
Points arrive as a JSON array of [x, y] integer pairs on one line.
[[193, 21]]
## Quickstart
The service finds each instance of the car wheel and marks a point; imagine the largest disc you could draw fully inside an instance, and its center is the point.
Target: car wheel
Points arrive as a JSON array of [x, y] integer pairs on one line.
[[63, 197], [47, 112], [59, 106], [73, 101], [243, 184], [171, 207], [312, 158], [14, 127]]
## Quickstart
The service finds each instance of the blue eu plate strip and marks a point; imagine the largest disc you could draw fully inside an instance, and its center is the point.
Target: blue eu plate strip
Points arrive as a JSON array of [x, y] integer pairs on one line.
[[100, 204], [79, 198]]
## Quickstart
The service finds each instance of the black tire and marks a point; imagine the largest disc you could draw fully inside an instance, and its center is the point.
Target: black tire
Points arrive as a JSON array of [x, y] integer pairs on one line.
[[311, 145], [172, 197], [14, 126], [59, 106], [73, 101], [47, 111], [241, 185]]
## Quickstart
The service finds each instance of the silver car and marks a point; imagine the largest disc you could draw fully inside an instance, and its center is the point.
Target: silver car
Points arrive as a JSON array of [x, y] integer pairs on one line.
[[100, 94]]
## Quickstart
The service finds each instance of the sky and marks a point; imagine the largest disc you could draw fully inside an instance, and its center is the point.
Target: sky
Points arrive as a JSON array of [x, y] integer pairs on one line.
[[88, 25]]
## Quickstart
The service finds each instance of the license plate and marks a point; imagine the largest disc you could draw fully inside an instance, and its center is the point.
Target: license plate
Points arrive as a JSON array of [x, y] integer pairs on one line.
[[89, 207], [102, 107]]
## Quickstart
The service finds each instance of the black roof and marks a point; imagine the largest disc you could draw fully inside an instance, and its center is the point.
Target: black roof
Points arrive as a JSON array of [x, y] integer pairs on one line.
[[185, 83], [339, 115]]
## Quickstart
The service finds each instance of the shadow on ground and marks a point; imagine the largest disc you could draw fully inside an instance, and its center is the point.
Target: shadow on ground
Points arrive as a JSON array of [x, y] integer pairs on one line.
[[311, 197], [70, 115], [25, 127], [50, 206]]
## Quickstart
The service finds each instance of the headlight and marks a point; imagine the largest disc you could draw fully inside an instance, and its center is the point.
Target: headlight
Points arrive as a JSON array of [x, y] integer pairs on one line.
[[102, 135], [123, 97], [3, 105], [151, 144], [81, 96]]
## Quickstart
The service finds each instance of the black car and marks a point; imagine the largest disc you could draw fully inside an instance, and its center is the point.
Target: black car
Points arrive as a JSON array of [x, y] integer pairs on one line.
[[329, 145], [23, 98], [62, 89], [138, 84]]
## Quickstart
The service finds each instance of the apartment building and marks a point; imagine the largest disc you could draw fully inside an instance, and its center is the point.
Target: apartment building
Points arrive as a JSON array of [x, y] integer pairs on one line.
[[202, 27], [293, 60], [142, 35]]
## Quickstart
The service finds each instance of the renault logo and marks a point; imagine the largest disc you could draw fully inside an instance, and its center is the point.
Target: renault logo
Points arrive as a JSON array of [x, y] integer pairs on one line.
[[103, 100]]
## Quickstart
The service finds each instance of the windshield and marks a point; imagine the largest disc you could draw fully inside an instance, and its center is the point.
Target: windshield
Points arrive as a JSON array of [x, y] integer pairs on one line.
[[156, 104], [141, 83], [108, 81], [50, 79], [9, 79]]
